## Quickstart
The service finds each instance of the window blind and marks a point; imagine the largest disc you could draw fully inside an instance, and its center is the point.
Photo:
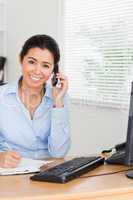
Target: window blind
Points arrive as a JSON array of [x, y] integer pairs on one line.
[[98, 51]]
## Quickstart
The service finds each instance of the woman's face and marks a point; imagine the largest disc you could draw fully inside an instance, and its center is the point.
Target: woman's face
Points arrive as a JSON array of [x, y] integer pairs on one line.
[[37, 67]]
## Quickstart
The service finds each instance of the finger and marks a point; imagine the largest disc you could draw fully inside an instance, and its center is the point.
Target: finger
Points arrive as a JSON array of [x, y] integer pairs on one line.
[[61, 76], [10, 162], [15, 161], [15, 155], [12, 158], [64, 83]]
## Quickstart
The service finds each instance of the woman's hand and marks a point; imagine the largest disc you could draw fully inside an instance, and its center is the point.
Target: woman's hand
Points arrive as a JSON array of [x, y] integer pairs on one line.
[[9, 159], [59, 92]]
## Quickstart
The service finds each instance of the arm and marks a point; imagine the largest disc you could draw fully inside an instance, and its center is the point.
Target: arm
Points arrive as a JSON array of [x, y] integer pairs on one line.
[[59, 139], [8, 158]]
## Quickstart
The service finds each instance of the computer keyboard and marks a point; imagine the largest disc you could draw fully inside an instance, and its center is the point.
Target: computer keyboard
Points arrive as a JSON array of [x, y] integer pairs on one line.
[[69, 170]]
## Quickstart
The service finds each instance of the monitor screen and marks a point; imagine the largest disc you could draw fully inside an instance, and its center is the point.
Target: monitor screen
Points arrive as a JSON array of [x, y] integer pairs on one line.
[[124, 151], [129, 140]]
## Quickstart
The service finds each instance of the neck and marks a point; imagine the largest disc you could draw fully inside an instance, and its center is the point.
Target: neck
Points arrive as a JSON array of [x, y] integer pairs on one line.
[[30, 91], [30, 97]]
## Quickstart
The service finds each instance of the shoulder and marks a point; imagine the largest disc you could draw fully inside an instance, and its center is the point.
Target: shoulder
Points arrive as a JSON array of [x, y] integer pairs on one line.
[[4, 88], [8, 88], [8, 93]]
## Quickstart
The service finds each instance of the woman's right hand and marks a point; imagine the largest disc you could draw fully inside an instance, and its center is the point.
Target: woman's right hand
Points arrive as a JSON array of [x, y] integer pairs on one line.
[[9, 159]]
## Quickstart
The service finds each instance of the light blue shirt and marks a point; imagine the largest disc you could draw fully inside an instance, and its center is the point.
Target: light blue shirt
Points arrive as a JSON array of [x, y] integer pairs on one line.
[[46, 135]]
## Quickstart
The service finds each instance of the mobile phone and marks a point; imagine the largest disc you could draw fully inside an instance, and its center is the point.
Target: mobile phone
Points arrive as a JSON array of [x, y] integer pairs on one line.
[[54, 78]]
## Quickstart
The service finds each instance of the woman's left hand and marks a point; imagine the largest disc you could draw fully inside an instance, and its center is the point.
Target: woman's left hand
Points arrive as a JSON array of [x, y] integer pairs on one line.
[[59, 92]]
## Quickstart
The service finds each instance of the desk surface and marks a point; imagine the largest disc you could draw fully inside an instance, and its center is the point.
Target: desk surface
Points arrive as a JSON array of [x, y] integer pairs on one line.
[[107, 187]]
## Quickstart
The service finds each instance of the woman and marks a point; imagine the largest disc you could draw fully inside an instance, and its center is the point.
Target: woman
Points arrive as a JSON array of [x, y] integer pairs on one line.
[[34, 116]]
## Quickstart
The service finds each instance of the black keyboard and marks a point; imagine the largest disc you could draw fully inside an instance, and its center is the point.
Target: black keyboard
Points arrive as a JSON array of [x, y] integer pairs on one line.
[[69, 170]]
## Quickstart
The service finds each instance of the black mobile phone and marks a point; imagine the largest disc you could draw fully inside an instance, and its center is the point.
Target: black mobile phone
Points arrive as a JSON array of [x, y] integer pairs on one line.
[[54, 78]]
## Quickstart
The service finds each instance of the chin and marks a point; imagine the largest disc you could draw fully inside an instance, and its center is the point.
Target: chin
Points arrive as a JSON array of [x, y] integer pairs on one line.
[[36, 84]]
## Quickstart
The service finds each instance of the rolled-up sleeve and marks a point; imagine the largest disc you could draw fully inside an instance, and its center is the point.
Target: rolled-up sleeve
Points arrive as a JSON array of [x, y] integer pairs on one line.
[[59, 139], [3, 145]]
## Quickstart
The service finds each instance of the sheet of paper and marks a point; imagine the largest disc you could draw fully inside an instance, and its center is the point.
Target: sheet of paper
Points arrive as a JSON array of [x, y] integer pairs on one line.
[[27, 165]]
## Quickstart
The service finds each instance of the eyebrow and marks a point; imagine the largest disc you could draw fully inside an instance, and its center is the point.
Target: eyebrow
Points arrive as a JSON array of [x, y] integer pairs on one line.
[[42, 61]]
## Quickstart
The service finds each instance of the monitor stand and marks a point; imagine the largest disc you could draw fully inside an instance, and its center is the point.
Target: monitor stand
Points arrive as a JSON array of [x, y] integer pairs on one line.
[[117, 158], [129, 174]]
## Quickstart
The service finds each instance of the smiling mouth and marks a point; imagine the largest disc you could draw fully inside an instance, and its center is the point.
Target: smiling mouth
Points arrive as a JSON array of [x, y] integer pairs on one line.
[[35, 78]]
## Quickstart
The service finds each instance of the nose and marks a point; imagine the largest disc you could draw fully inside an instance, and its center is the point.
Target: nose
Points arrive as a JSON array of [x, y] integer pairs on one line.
[[38, 69]]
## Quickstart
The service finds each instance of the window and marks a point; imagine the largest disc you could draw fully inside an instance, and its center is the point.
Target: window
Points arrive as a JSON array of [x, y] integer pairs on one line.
[[98, 51]]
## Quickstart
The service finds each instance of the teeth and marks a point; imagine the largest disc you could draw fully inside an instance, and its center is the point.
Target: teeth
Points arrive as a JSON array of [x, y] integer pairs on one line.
[[35, 78]]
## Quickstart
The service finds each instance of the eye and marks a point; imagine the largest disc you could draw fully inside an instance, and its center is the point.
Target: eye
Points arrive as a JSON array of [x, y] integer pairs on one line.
[[31, 61], [45, 66]]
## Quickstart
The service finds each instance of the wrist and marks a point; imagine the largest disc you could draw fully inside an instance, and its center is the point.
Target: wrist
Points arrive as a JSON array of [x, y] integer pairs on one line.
[[58, 103]]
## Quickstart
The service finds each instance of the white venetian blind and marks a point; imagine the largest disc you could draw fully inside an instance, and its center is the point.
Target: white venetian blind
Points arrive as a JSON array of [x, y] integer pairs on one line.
[[98, 50]]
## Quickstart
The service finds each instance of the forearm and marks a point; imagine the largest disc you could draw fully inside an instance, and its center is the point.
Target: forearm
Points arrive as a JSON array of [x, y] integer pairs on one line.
[[59, 139]]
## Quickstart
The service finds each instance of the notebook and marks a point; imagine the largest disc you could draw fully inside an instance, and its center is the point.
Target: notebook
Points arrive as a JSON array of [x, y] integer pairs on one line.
[[26, 165]]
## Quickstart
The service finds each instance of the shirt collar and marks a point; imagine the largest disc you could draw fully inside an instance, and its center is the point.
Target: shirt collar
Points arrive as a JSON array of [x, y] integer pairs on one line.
[[13, 88]]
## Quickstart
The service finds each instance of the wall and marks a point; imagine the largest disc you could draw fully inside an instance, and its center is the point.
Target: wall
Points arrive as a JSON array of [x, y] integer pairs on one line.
[[92, 128], [96, 128], [26, 18]]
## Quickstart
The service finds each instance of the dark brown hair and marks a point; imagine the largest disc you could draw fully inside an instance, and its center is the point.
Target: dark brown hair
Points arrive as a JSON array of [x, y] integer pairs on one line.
[[42, 42]]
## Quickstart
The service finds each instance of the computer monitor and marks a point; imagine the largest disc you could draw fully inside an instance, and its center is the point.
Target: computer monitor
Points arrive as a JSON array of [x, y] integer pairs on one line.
[[124, 156], [129, 139]]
